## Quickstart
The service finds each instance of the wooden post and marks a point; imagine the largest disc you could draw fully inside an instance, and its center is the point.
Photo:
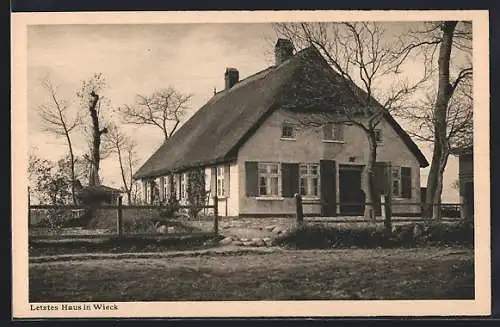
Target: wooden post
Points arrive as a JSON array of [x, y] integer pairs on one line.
[[299, 210], [385, 202], [119, 217], [216, 215]]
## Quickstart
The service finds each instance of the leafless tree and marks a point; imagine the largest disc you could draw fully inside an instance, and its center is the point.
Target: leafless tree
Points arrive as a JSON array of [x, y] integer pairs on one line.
[[163, 109], [124, 148], [57, 120], [453, 42], [91, 100], [368, 63]]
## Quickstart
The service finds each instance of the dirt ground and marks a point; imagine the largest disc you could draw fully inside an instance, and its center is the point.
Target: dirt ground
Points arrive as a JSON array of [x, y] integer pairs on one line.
[[429, 273]]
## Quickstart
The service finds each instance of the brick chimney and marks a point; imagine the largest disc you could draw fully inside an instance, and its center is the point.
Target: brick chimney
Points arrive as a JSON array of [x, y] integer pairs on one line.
[[232, 76], [282, 51]]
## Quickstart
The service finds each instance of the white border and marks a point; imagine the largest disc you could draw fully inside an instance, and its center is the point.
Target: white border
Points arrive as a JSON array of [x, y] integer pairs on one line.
[[480, 306]]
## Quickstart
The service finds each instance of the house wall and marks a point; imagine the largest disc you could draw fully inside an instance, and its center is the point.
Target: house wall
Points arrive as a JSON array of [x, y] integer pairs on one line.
[[266, 146]]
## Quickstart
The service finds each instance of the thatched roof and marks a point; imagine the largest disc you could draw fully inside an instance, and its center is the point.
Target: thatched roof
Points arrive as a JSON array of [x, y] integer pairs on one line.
[[218, 129]]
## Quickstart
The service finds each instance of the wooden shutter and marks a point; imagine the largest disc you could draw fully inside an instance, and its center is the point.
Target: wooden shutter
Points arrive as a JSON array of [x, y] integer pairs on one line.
[[328, 192], [289, 179], [381, 175], [226, 180], [251, 178], [406, 182]]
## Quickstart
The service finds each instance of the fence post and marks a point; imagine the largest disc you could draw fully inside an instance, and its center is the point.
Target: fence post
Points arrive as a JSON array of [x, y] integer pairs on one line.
[[216, 215], [119, 217], [386, 211], [299, 210]]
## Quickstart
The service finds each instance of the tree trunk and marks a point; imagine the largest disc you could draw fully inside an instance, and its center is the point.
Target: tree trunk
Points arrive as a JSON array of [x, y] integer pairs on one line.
[[96, 140], [436, 211], [440, 110], [370, 177], [122, 170], [72, 166]]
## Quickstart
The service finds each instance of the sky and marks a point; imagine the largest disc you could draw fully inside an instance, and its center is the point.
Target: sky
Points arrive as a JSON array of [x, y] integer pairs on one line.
[[137, 59]]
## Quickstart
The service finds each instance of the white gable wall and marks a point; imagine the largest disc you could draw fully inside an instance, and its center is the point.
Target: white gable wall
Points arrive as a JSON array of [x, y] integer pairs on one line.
[[265, 145]]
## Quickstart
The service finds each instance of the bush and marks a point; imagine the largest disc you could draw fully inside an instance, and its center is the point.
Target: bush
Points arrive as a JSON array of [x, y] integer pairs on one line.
[[170, 209], [374, 236], [54, 221]]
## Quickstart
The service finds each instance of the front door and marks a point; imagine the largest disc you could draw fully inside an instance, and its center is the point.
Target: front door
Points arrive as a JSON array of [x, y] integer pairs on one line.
[[351, 196]]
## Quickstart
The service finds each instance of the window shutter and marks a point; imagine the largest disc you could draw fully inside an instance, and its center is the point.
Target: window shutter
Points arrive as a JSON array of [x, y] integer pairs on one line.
[[226, 179], [406, 182], [289, 179], [328, 179], [251, 178], [381, 177]]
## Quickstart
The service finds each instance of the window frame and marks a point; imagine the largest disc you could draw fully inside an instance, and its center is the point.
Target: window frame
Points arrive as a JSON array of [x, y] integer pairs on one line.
[[292, 129], [334, 129], [396, 179], [221, 190], [309, 176], [269, 175], [182, 186]]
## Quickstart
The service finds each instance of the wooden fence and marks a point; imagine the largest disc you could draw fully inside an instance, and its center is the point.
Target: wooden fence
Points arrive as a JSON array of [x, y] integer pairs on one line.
[[119, 208], [386, 215]]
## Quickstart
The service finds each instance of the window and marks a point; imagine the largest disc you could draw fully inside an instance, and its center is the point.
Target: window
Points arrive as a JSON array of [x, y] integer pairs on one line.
[[401, 182], [269, 174], [396, 181], [309, 180], [378, 135], [333, 132], [287, 131], [183, 194], [220, 182], [164, 182]]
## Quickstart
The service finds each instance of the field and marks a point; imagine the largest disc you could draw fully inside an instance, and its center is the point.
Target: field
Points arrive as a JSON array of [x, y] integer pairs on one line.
[[276, 274]]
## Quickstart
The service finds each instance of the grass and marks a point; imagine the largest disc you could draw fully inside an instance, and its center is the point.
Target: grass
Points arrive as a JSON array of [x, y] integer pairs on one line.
[[430, 273]]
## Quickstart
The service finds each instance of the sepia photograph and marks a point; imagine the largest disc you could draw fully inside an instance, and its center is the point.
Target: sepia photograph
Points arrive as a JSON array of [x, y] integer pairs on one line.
[[280, 161]]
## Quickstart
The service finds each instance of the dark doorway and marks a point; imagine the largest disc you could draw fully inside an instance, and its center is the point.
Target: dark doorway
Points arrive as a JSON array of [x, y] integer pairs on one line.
[[351, 195]]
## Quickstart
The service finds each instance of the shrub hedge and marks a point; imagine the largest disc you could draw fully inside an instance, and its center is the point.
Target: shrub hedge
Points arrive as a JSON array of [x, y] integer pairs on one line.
[[374, 236]]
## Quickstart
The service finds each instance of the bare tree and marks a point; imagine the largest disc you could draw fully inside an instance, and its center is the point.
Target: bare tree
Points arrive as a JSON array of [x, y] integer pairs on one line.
[[124, 148], [453, 41], [57, 120], [368, 63], [89, 96], [163, 109]]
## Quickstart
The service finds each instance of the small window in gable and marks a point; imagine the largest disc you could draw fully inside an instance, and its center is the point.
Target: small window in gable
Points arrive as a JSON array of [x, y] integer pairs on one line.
[[287, 131], [333, 132]]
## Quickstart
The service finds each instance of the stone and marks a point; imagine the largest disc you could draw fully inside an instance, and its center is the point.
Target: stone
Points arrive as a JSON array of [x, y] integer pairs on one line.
[[244, 239], [270, 228], [162, 229], [261, 243], [268, 241], [171, 229], [276, 229], [226, 241], [247, 243], [238, 243]]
